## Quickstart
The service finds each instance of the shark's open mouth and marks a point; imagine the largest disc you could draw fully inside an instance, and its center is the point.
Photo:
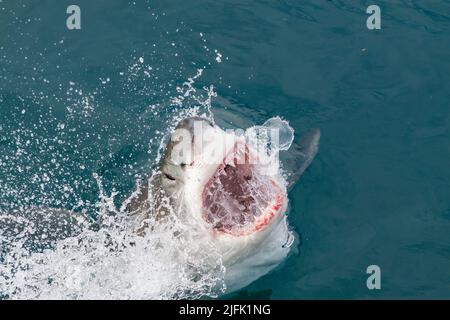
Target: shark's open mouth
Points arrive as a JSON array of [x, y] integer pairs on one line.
[[239, 199]]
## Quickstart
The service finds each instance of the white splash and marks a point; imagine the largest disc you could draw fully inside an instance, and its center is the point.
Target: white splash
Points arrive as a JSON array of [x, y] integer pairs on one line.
[[110, 261]]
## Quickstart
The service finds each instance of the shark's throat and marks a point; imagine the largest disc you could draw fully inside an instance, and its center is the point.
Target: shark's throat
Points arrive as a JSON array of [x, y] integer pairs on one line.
[[239, 199]]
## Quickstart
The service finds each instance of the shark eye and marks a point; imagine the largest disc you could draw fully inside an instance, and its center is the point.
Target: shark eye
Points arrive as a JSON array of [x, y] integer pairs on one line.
[[168, 176]]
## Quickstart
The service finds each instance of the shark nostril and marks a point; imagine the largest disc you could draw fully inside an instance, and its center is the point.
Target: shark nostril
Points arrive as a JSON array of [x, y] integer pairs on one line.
[[168, 176]]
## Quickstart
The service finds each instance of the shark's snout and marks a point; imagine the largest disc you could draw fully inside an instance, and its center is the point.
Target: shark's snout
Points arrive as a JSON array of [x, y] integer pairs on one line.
[[189, 123], [188, 138]]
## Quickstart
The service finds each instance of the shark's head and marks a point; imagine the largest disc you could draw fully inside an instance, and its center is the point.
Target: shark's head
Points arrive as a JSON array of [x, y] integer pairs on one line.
[[219, 180], [227, 194]]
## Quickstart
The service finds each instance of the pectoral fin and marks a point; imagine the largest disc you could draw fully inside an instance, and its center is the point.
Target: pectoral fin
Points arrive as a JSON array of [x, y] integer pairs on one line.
[[298, 158]]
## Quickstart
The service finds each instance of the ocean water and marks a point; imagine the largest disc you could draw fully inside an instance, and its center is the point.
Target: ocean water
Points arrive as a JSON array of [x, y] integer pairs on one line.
[[74, 103]]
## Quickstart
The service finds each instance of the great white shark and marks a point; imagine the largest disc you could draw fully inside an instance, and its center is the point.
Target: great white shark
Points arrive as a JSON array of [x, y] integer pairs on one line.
[[216, 183]]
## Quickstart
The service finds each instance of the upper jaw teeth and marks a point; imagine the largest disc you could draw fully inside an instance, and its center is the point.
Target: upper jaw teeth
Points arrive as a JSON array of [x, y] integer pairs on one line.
[[231, 163]]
